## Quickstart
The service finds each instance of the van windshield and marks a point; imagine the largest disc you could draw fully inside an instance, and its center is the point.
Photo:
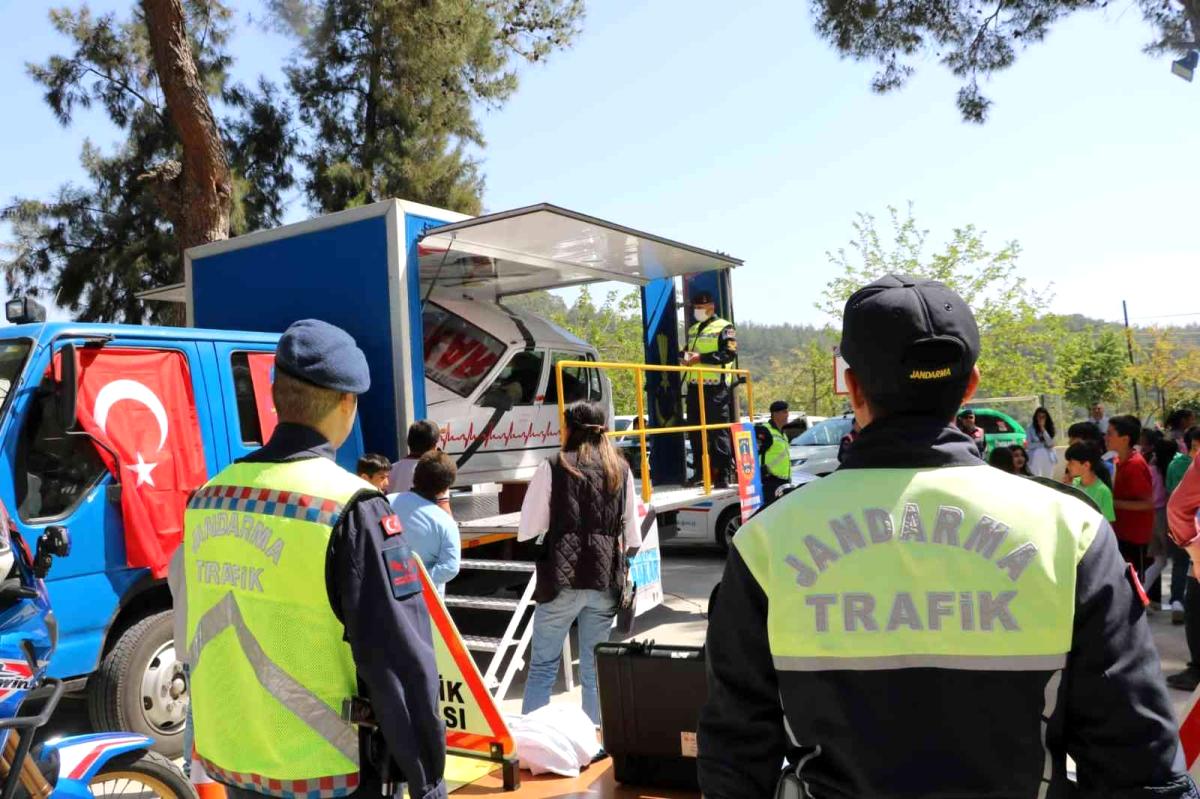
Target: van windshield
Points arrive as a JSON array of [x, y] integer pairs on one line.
[[458, 355], [12, 359]]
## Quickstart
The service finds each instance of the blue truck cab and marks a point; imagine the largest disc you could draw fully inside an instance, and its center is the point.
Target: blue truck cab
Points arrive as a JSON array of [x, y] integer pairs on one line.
[[114, 623]]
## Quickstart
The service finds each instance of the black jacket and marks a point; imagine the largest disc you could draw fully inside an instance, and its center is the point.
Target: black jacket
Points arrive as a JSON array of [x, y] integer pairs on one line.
[[391, 638], [942, 732], [585, 536]]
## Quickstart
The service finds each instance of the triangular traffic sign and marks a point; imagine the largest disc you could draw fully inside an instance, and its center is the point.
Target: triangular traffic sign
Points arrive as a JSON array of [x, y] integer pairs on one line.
[[474, 725], [1189, 734]]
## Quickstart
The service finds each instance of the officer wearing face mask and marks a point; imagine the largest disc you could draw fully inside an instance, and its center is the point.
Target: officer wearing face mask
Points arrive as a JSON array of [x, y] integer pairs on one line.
[[710, 340]]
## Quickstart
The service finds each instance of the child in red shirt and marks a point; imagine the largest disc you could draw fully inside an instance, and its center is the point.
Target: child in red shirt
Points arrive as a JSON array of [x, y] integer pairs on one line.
[[1133, 492]]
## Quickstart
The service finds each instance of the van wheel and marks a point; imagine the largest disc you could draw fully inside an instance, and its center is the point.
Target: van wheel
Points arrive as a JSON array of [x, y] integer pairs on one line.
[[727, 525], [140, 686]]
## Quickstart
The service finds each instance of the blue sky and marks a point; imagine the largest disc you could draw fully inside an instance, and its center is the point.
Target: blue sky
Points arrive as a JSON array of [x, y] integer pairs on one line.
[[731, 126]]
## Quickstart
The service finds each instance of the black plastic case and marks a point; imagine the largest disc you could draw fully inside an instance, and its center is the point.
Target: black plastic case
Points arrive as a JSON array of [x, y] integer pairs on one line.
[[650, 700]]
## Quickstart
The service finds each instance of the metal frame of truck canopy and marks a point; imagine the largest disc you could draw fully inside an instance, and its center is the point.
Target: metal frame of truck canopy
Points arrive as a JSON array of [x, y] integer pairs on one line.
[[539, 241], [235, 283]]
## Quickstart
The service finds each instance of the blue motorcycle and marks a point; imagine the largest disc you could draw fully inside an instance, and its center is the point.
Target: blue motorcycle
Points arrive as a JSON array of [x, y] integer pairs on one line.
[[106, 764]]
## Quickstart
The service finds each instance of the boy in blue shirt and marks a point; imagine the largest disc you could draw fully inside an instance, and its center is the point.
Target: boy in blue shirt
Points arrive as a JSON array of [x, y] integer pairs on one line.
[[430, 531]]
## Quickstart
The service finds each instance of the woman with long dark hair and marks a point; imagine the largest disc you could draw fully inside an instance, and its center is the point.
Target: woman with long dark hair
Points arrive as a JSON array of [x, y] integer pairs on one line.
[[1039, 442], [581, 506]]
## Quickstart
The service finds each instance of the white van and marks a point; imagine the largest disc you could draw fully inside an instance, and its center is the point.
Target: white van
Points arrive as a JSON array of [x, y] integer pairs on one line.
[[489, 383]]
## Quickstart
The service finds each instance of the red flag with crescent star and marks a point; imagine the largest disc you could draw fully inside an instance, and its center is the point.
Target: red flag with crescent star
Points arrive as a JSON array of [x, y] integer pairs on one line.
[[137, 404]]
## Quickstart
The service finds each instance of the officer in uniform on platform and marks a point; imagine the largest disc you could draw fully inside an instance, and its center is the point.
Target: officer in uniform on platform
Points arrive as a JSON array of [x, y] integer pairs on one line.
[[710, 340], [775, 452], [921, 624], [301, 596]]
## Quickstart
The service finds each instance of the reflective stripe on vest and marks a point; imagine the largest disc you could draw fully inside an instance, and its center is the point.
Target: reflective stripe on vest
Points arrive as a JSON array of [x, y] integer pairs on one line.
[[269, 668], [777, 459], [706, 342], [955, 568]]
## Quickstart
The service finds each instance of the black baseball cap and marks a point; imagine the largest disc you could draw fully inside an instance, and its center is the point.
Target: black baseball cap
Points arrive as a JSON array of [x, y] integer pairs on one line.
[[778, 405], [702, 298], [908, 339]]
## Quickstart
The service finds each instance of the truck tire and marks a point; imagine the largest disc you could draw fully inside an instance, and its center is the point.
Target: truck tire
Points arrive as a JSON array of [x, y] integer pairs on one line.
[[727, 525], [140, 686]]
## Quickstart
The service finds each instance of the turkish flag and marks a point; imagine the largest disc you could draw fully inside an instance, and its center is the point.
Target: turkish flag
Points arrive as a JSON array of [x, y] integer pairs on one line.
[[137, 405], [262, 371]]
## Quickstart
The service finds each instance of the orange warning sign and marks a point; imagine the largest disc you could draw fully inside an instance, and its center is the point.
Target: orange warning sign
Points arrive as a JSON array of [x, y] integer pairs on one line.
[[473, 722]]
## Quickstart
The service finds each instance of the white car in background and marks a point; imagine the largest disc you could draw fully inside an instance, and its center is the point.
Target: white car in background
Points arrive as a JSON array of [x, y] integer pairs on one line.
[[814, 452]]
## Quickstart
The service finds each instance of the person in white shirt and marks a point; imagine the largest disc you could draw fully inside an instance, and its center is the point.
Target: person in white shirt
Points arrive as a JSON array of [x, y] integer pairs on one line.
[[1098, 418], [423, 436], [582, 507]]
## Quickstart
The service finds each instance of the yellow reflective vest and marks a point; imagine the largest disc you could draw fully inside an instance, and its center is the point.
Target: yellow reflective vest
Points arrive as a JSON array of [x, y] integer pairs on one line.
[[890, 568], [704, 338], [777, 459], [269, 668]]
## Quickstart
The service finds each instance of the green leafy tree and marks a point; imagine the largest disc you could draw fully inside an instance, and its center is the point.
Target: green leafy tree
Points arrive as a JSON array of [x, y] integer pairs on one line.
[[974, 38], [93, 246], [803, 378], [1166, 364], [1018, 337], [1092, 366], [389, 90]]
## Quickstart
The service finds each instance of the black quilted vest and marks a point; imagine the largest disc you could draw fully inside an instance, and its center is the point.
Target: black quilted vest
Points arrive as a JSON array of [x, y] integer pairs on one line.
[[581, 546]]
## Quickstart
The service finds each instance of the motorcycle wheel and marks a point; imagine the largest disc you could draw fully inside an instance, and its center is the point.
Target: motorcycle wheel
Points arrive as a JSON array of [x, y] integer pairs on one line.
[[143, 773]]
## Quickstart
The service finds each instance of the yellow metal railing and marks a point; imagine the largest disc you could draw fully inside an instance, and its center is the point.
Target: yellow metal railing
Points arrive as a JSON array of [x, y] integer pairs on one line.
[[642, 432]]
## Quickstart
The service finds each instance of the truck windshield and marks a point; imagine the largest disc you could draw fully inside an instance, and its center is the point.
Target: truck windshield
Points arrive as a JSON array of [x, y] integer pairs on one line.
[[458, 355], [12, 359]]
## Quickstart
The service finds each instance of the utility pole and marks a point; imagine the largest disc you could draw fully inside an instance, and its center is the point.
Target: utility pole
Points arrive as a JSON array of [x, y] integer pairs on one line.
[[1137, 403]]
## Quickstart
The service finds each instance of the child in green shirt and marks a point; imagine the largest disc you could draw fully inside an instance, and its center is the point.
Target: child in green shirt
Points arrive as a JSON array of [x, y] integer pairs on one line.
[[1085, 466]]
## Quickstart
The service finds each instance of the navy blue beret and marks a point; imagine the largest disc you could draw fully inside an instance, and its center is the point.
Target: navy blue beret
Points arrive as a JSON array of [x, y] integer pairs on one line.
[[324, 355], [778, 405]]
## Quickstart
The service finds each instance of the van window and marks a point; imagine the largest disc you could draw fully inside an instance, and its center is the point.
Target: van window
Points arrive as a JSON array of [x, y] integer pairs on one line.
[[458, 355], [517, 383], [578, 382], [54, 470], [247, 406]]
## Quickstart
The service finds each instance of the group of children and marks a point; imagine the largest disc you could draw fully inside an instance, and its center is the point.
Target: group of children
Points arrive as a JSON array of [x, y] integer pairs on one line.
[[418, 486], [1129, 473]]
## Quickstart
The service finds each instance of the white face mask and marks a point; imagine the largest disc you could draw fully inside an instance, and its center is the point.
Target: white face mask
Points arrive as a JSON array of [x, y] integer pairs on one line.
[[701, 314]]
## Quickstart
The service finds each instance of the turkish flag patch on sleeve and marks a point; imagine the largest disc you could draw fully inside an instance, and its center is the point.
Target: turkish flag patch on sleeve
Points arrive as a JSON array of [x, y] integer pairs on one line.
[[392, 525], [1136, 584]]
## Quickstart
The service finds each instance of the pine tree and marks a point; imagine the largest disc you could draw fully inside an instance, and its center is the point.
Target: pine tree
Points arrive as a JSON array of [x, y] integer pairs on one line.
[[388, 90], [92, 247], [975, 38]]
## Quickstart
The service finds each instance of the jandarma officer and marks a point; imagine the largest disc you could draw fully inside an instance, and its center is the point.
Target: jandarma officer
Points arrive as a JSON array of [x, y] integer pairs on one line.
[[710, 340], [921, 624], [301, 596]]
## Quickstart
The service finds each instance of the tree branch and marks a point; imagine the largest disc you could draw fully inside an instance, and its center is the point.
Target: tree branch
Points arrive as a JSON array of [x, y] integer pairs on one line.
[[124, 85]]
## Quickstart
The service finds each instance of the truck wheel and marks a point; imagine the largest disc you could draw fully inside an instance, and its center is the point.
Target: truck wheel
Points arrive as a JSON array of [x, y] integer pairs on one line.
[[727, 525], [140, 686]]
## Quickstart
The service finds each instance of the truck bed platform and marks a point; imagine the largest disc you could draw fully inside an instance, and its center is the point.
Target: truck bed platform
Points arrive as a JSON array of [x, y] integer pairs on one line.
[[502, 526]]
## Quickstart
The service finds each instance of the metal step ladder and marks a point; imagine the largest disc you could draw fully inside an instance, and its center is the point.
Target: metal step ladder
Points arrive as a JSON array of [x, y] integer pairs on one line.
[[509, 650]]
